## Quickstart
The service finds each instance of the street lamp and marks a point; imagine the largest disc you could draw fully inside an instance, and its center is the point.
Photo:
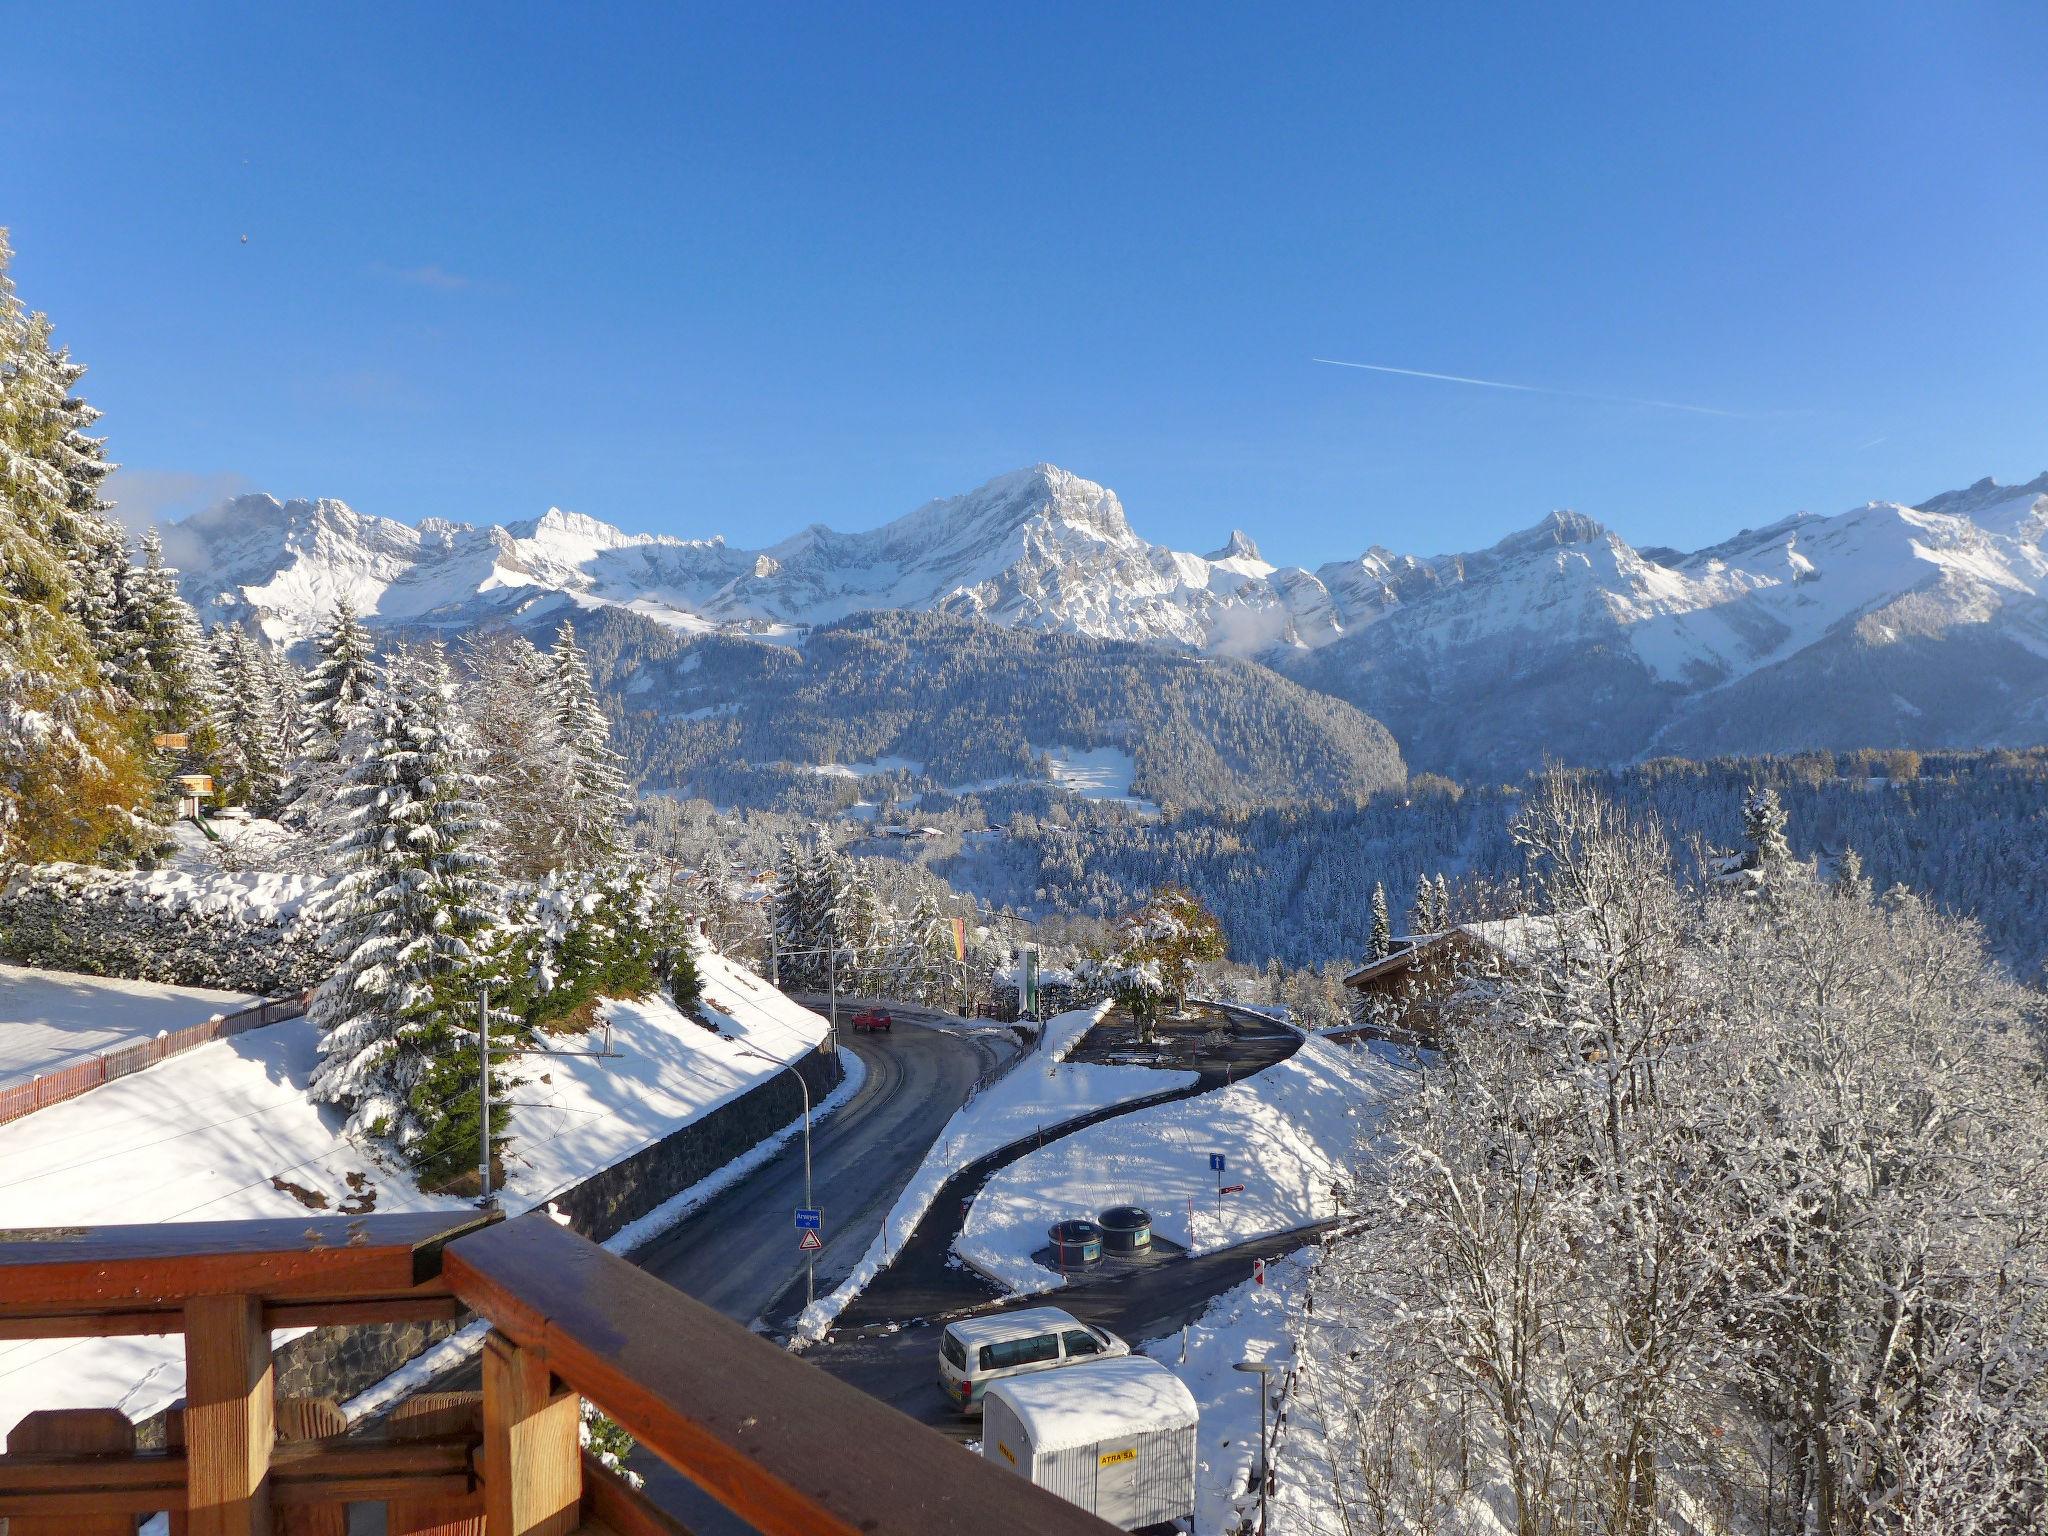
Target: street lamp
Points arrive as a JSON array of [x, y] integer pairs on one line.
[[1263, 1370], [811, 1255]]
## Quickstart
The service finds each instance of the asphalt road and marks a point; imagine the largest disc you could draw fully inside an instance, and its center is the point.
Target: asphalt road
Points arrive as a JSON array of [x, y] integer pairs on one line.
[[739, 1254], [899, 1363]]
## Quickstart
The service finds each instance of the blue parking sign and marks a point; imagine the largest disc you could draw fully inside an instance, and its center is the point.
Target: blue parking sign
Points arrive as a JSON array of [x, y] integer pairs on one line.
[[809, 1219], [1215, 1162]]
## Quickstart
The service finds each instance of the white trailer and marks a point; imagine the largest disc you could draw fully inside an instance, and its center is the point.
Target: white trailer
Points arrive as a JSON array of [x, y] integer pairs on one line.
[[1116, 1437]]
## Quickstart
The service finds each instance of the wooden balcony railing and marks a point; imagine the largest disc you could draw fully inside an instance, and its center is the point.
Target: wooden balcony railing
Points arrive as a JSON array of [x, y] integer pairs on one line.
[[783, 1445]]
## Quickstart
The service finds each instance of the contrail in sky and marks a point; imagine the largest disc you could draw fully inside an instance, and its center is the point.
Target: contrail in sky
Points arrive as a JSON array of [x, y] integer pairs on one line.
[[1526, 389]]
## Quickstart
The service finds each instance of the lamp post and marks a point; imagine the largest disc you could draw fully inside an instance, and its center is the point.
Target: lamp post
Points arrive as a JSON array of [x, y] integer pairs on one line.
[[1263, 1370], [810, 1257]]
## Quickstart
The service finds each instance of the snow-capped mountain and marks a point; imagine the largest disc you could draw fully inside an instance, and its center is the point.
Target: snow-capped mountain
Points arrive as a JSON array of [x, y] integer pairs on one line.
[[1563, 639], [1040, 548]]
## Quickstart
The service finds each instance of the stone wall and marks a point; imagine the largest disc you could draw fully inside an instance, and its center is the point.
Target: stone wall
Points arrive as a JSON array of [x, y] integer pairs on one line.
[[628, 1190]]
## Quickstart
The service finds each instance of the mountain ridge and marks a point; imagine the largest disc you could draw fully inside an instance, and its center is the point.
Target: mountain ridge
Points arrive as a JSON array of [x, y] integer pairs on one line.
[[1563, 614]]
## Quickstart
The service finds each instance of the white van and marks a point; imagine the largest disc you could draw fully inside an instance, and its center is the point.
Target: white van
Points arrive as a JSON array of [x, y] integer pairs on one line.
[[978, 1350]]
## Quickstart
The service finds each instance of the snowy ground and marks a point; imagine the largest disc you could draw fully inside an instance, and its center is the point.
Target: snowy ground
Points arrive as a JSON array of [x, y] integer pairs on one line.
[[1250, 1322], [629, 1239], [1097, 773], [226, 1131], [1042, 1090], [1285, 1134], [49, 1017]]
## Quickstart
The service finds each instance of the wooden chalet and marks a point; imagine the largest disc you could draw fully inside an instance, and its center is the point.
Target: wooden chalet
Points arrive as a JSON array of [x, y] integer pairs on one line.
[[786, 1447], [1404, 994]]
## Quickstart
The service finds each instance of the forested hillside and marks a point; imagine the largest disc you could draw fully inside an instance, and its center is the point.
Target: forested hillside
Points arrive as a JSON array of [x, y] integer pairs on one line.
[[933, 702], [1970, 830]]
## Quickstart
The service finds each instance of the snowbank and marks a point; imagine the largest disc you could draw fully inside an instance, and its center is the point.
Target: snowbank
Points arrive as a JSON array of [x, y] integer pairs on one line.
[[580, 1114], [226, 1131], [50, 1017], [1037, 1092], [1250, 1322], [1286, 1135]]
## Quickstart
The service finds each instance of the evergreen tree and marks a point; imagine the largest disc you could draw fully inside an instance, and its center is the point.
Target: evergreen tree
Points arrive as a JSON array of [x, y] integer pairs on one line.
[[1426, 916], [1443, 901], [1382, 942], [337, 686], [251, 753], [929, 967], [525, 755], [1763, 828], [70, 773], [396, 1017], [592, 808], [719, 904], [789, 929], [172, 677]]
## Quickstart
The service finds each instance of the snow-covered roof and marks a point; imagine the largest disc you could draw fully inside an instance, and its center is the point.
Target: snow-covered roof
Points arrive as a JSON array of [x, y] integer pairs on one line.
[[227, 1132], [1080, 1405], [1514, 939], [1021, 1324], [48, 1018]]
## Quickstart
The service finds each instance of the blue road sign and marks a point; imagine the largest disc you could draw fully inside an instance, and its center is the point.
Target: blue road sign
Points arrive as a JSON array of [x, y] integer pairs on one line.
[[1215, 1162], [809, 1219]]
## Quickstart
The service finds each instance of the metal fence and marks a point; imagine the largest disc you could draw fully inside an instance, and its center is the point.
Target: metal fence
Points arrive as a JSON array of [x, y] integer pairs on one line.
[[68, 1082]]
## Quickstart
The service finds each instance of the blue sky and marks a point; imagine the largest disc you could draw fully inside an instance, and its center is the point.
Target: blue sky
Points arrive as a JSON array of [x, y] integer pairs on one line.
[[734, 270]]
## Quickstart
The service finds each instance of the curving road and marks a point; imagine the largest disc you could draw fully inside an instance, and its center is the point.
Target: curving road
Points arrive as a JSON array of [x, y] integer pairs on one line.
[[738, 1253]]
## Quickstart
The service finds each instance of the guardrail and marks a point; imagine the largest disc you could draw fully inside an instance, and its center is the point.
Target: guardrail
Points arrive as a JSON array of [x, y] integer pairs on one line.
[[88, 1073]]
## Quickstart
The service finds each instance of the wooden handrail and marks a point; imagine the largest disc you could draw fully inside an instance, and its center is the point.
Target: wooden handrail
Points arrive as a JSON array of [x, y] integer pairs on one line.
[[785, 1446], [315, 1472], [790, 1449], [78, 1273]]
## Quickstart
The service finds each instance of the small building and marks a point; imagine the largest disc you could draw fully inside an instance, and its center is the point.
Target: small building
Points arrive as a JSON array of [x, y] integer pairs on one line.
[[1116, 1437], [1403, 994]]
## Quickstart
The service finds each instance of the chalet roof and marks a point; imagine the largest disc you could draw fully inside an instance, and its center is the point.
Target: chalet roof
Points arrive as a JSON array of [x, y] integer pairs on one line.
[[1511, 938]]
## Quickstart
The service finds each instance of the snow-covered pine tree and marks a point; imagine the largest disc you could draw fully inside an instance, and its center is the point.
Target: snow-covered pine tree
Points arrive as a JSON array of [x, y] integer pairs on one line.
[[865, 933], [592, 808], [525, 755], [718, 904], [1382, 942], [251, 754], [1763, 828], [69, 774], [337, 685], [173, 682], [789, 928], [418, 895], [1443, 901], [1423, 916], [92, 544], [285, 686], [929, 967]]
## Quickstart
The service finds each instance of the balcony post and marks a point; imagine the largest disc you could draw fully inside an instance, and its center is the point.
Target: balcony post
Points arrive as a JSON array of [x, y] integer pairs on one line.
[[229, 1417], [533, 1459], [94, 1431]]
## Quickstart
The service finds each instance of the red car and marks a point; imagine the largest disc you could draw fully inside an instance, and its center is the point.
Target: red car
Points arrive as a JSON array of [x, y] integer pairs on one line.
[[872, 1018]]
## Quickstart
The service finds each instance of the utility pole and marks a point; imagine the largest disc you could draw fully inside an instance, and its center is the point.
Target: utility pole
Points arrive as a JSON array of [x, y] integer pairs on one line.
[[832, 985], [483, 1092]]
